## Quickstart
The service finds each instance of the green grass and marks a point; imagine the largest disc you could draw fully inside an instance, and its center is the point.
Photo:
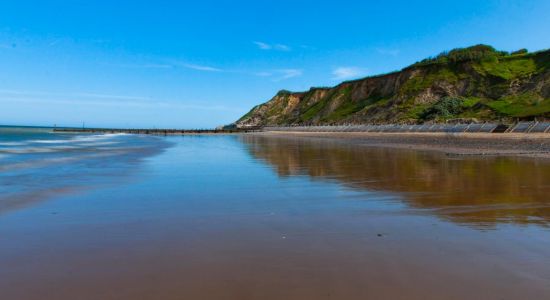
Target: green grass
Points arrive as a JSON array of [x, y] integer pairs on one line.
[[415, 111], [344, 111], [509, 68], [523, 105], [421, 82], [470, 102], [313, 111], [349, 107]]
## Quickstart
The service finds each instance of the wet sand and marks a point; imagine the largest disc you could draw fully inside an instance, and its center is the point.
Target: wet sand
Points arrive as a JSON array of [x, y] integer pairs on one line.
[[265, 217], [518, 144]]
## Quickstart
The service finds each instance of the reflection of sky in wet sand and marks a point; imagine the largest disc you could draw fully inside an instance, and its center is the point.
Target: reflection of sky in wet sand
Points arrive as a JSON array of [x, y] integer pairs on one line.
[[478, 191]]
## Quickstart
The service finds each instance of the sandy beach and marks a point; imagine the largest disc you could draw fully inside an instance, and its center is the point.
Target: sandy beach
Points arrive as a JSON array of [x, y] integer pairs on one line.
[[272, 216], [493, 144]]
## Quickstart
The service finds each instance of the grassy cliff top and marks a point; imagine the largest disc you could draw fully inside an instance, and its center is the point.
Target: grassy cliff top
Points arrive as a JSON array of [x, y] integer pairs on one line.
[[475, 83]]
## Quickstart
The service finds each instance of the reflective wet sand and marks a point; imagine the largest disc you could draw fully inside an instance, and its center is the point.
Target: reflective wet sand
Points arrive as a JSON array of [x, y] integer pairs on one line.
[[478, 191], [251, 217]]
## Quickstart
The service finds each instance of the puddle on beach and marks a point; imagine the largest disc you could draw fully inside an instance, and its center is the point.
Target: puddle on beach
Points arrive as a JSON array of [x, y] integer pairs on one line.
[[258, 217]]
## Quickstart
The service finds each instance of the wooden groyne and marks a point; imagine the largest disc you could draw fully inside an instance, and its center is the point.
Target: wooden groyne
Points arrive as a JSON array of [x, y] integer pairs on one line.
[[156, 131]]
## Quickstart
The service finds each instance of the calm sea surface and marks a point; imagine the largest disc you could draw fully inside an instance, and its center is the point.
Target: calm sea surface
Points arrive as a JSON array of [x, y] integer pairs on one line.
[[259, 217]]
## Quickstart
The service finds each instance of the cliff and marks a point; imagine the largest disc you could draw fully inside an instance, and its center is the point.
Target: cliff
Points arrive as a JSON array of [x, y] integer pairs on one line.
[[475, 83]]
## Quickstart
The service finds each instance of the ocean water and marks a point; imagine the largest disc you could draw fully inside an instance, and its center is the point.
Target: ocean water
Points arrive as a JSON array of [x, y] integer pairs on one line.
[[261, 217], [37, 163]]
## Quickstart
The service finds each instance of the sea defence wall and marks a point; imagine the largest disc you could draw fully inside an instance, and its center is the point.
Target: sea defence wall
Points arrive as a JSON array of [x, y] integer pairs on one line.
[[521, 127]]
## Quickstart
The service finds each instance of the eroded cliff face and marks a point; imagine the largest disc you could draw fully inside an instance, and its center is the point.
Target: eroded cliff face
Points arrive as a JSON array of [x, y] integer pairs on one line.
[[496, 87]]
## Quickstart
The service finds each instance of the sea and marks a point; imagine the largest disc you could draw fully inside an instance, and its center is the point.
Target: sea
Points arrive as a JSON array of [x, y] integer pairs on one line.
[[36, 162]]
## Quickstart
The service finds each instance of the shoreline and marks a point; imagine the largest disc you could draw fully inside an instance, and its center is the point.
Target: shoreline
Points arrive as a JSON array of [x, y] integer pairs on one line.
[[533, 145]]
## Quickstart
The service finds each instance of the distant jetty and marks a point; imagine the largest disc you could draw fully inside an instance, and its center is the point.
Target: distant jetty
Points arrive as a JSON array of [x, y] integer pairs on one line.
[[156, 131]]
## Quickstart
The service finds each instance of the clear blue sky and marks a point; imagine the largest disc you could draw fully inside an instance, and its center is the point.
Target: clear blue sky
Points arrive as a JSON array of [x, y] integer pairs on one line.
[[205, 63]]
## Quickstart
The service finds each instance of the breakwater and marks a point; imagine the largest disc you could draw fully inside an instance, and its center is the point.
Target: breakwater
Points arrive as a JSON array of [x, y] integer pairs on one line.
[[521, 127], [156, 131]]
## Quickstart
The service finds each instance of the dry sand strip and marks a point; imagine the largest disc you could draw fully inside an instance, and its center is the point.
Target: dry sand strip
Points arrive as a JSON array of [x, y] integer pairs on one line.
[[505, 144]]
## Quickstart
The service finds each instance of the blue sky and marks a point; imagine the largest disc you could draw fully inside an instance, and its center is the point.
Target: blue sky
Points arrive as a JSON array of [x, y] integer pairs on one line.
[[201, 64]]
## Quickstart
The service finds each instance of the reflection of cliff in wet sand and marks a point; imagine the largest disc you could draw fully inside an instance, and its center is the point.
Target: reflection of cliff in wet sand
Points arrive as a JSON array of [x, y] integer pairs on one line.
[[474, 190], [532, 145]]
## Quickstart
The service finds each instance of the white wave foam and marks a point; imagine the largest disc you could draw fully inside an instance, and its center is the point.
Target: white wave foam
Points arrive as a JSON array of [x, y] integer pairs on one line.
[[12, 143], [78, 139], [49, 141], [58, 160], [58, 145], [27, 150], [93, 144]]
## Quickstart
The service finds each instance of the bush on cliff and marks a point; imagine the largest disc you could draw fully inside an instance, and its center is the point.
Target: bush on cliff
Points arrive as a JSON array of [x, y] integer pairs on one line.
[[445, 108]]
